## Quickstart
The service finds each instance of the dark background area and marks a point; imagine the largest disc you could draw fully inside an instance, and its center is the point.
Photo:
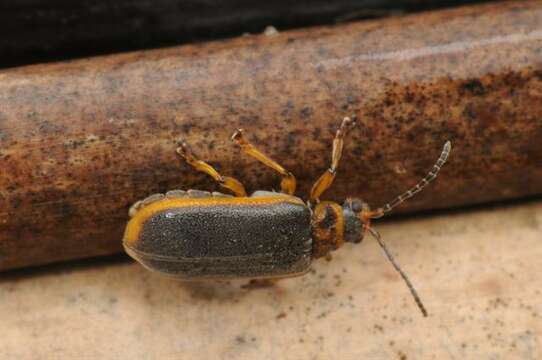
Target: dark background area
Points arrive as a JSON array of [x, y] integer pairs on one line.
[[47, 30]]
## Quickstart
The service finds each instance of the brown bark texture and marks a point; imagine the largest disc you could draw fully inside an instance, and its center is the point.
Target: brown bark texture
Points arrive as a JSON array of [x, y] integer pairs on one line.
[[37, 30], [81, 141]]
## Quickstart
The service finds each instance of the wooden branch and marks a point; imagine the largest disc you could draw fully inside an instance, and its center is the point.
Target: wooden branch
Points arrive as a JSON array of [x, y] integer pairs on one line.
[[81, 141], [37, 30]]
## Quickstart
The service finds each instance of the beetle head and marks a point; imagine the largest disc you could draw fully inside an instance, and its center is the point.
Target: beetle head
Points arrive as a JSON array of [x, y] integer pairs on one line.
[[354, 211]]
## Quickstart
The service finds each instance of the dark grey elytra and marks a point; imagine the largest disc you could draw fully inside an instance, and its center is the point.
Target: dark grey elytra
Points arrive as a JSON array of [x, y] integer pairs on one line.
[[228, 242]]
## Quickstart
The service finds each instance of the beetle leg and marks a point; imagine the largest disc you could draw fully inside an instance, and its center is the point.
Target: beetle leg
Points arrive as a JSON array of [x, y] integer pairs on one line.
[[227, 182], [288, 182], [326, 179]]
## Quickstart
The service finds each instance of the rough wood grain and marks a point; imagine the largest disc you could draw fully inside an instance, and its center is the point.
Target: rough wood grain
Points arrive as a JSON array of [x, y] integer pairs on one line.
[[81, 141], [38, 30]]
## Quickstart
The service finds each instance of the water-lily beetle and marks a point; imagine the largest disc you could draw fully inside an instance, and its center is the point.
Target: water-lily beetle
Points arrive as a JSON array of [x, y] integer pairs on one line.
[[197, 235]]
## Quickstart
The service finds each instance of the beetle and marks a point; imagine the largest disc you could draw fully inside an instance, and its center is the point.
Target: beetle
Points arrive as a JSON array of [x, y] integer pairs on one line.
[[198, 235]]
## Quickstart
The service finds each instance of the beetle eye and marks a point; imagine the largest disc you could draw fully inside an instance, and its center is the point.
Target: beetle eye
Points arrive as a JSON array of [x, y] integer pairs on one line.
[[356, 205]]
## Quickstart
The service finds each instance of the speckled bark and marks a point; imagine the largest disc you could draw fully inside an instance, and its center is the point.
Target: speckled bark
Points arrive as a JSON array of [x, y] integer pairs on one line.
[[81, 141]]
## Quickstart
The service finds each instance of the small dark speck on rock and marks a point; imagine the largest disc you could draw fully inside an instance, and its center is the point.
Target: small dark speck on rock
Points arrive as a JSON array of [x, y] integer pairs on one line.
[[240, 339], [281, 315]]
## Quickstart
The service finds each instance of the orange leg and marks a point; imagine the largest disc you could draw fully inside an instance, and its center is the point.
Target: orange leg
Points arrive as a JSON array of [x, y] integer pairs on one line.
[[288, 182], [227, 182], [325, 181]]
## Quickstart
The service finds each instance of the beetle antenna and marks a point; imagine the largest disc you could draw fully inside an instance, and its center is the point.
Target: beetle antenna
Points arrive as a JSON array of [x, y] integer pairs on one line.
[[431, 175], [390, 257]]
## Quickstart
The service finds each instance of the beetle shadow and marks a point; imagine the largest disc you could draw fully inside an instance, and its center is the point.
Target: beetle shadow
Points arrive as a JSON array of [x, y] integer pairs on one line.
[[62, 268], [226, 290], [221, 291]]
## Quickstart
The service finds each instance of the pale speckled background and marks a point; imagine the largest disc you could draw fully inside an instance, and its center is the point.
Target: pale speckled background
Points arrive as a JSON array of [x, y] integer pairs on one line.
[[478, 272]]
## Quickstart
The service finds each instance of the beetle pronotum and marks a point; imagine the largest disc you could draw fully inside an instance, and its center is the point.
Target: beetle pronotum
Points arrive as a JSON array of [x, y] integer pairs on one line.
[[196, 235]]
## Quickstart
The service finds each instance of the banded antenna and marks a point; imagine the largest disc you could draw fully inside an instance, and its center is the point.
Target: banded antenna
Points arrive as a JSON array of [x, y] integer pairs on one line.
[[431, 175]]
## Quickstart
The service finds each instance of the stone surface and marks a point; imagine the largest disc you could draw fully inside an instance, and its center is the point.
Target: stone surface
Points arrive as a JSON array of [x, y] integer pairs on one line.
[[478, 273]]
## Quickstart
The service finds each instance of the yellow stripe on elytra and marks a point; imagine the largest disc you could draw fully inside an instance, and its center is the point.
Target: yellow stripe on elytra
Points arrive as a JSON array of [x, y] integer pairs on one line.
[[339, 224], [136, 223]]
